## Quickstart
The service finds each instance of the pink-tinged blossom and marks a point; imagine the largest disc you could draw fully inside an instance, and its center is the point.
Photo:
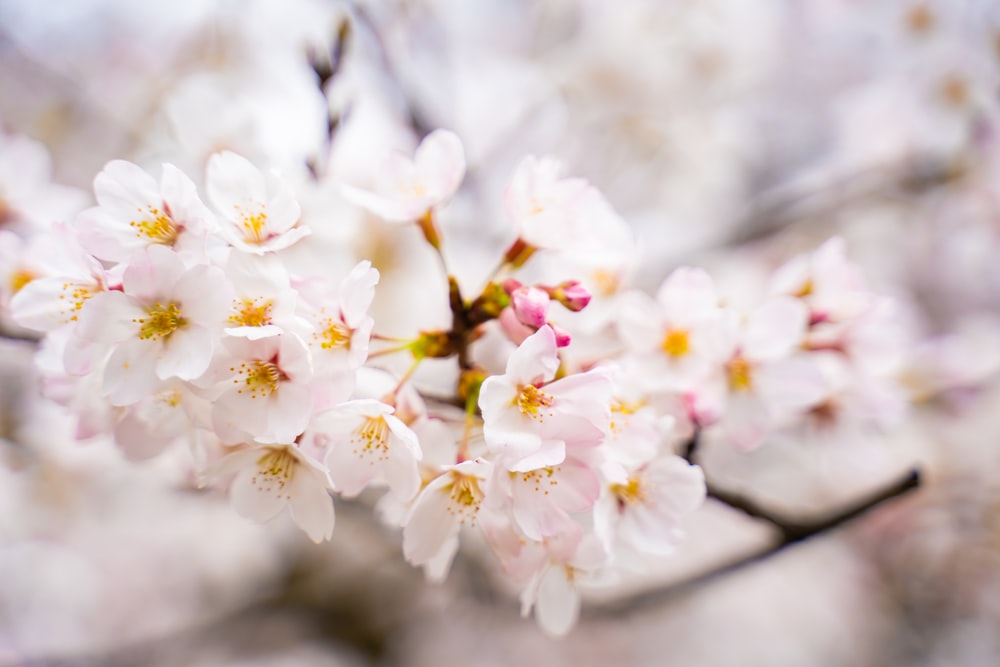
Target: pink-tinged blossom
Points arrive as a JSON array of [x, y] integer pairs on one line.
[[450, 501], [642, 507], [365, 442], [134, 212], [767, 379], [541, 501], [54, 278], [146, 428], [162, 324], [265, 389], [677, 340], [529, 420], [406, 188], [257, 213], [549, 571], [269, 478], [831, 285]]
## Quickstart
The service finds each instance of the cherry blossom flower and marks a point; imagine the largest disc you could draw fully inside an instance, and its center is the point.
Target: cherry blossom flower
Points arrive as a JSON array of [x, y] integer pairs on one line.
[[341, 325], [135, 212], [54, 279], [543, 207], [529, 420], [269, 478], [677, 339], [365, 442], [162, 324], [264, 301], [540, 501], [258, 214], [549, 571], [642, 507], [263, 389], [450, 501], [767, 379], [407, 188]]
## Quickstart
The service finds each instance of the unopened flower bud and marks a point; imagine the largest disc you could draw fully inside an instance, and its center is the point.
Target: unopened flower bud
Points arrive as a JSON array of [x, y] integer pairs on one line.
[[562, 336], [571, 294], [531, 305]]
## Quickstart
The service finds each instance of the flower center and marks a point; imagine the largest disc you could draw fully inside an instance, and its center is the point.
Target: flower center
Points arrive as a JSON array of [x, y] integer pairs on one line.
[[275, 470], [260, 378], [77, 295], [19, 279], [541, 478], [160, 321], [372, 438], [629, 494], [158, 227], [740, 373], [249, 313], [531, 401], [676, 343], [336, 335], [465, 495], [254, 225]]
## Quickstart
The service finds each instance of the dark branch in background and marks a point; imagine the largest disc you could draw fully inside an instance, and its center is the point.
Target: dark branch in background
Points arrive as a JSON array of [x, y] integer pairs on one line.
[[777, 209], [790, 531]]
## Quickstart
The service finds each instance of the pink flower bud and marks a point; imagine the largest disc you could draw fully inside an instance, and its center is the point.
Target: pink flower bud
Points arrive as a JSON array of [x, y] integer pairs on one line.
[[531, 305], [510, 285], [562, 336], [572, 295], [512, 327]]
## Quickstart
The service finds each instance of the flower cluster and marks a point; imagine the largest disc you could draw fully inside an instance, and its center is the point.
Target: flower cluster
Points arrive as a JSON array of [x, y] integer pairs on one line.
[[171, 321]]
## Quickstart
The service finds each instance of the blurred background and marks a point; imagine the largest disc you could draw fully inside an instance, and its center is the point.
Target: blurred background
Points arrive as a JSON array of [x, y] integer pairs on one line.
[[729, 134]]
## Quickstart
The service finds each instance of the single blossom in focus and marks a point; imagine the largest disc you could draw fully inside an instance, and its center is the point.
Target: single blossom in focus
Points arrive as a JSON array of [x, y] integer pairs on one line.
[[269, 478], [364, 443], [162, 324], [265, 389], [134, 211], [450, 501], [257, 213], [529, 420]]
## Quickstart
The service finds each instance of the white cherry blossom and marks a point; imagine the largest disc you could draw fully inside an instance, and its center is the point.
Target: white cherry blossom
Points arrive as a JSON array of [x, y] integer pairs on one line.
[[258, 214], [406, 188], [269, 478], [530, 420]]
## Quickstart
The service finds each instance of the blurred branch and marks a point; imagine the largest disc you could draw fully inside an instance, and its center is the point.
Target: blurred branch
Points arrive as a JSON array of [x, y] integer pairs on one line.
[[782, 207], [790, 531]]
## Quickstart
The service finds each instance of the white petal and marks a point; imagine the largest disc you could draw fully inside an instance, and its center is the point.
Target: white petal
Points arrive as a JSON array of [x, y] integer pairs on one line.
[[430, 523], [558, 605], [260, 502], [311, 505]]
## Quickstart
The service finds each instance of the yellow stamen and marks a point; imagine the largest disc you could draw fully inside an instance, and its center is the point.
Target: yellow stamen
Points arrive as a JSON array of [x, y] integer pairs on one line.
[[275, 469], [335, 335], [160, 321], [19, 279], [630, 493], [372, 438], [249, 313], [156, 225], [531, 401], [740, 373], [676, 343]]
